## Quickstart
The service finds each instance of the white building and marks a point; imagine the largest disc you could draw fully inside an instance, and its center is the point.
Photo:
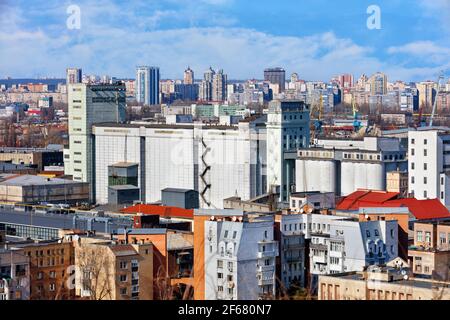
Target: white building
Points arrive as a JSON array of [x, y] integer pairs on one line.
[[217, 161], [339, 244], [240, 254], [429, 164], [89, 104], [343, 166], [287, 130]]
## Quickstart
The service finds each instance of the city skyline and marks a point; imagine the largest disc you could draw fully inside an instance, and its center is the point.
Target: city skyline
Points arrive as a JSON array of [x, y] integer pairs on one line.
[[241, 38]]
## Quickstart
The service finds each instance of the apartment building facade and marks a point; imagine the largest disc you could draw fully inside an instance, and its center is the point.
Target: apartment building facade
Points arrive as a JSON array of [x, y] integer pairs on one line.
[[235, 255], [429, 256], [429, 164], [109, 271]]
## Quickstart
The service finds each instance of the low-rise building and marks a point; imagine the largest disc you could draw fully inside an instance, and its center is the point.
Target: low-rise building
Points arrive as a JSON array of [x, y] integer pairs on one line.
[[14, 275], [51, 269], [27, 189], [429, 256], [109, 271], [36, 157], [381, 283], [335, 244]]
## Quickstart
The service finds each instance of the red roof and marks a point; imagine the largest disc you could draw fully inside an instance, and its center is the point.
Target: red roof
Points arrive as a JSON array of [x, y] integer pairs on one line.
[[162, 211], [421, 209]]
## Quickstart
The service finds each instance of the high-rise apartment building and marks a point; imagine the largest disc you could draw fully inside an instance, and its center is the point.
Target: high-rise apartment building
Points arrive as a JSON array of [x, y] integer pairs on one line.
[[276, 76], [73, 75], [219, 86], [147, 85], [189, 76], [88, 105], [346, 81], [427, 93], [378, 84], [429, 164]]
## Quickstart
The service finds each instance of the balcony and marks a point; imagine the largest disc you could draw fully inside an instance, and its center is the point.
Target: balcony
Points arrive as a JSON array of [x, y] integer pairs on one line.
[[319, 246], [319, 259], [265, 282], [267, 254], [293, 246], [265, 268]]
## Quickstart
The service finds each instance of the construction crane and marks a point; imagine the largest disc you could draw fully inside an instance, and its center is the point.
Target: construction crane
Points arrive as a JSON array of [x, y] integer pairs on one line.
[[441, 77], [318, 123], [356, 122]]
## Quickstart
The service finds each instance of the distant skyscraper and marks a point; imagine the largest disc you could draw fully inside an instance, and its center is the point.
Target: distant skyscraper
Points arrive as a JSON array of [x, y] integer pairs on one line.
[[219, 86], [346, 81], [209, 74], [206, 87], [276, 76], [294, 77], [73, 75], [188, 76], [378, 84], [147, 85]]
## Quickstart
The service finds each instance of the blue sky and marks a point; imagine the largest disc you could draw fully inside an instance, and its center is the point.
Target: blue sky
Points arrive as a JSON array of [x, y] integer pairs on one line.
[[315, 38]]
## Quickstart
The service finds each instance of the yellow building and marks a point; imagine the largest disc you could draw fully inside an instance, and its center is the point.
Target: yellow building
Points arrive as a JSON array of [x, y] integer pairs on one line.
[[109, 271]]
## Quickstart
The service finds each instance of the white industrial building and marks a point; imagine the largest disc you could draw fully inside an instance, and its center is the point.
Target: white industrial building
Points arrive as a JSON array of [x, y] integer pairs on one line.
[[287, 130], [240, 256], [429, 164], [337, 244], [217, 161], [343, 166]]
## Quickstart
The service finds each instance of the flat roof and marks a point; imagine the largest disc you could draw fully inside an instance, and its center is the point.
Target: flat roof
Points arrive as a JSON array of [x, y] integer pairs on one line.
[[123, 187], [165, 126], [29, 180], [179, 190]]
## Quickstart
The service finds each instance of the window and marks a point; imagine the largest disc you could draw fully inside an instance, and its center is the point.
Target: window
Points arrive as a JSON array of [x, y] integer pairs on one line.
[[392, 233], [123, 291], [428, 237], [376, 233], [230, 277], [123, 278], [368, 233], [425, 166], [425, 152], [220, 288], [226, 234], [413, 180], [413, 152], [419, 236], [413, 165], [52, 287], [413, 141], [52, 274], [425, 180], [442, 238], [425, 141], [40, 275], [425, 194], [219, 264], [123, 265], [220, 276]]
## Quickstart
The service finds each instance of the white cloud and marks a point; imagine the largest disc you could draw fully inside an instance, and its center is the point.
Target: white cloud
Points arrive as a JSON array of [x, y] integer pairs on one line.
[[423, 49]]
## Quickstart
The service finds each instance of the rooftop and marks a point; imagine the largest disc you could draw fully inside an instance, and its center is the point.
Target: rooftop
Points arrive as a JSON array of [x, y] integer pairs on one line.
[[162, 211], [420, 209], [30, 180]]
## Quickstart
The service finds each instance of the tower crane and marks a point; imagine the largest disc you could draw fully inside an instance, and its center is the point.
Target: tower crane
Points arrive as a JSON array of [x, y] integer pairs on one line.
[[441, 77], [356, 122]]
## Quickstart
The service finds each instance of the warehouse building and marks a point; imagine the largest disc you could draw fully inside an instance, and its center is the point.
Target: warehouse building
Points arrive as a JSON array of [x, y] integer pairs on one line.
[[36, 189]]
